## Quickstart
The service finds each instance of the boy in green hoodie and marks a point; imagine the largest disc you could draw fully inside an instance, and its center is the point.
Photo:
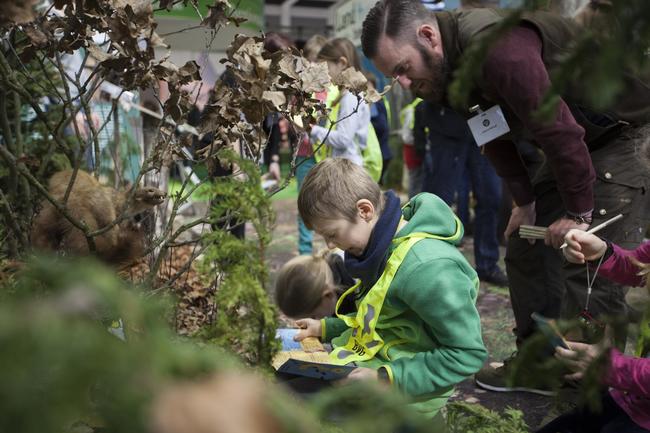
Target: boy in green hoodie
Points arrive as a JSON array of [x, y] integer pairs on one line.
[[417, 326]]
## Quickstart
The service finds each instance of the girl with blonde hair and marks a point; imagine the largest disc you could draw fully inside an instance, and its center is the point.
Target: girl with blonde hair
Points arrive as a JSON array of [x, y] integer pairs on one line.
[[310, 285]]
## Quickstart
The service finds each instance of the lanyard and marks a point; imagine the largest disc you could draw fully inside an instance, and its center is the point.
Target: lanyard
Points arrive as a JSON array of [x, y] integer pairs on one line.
[[590, 281]]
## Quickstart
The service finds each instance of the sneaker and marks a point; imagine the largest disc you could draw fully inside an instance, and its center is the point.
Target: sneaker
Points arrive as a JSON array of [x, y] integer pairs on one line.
[[496, 277], [494, 377]]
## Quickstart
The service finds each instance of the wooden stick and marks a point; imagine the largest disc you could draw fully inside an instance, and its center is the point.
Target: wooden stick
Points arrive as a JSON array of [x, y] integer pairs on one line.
[[600, 226]]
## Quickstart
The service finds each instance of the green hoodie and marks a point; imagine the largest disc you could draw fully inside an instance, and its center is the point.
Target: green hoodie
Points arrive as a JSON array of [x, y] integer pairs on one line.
[[429, 321]]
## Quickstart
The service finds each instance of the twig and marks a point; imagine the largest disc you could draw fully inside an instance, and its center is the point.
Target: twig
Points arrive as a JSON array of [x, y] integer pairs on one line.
[[8, 137], [6, 72], [12, 221], [164, 35], [25, 193]]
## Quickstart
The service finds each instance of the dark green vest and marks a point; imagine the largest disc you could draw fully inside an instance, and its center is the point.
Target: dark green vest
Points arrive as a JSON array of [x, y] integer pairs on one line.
[[460, 28]]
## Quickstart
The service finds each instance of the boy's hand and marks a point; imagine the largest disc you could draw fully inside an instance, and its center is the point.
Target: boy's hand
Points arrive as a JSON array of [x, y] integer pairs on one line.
[[308, 328], [583, 246], [360, 373]]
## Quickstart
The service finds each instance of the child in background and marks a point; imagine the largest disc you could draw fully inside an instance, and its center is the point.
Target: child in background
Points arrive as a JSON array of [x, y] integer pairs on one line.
[[417, 326], [349, 135], [310, 286]]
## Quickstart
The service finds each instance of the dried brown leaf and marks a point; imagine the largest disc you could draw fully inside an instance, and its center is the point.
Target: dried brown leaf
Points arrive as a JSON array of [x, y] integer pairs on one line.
[[218, 15], [276, 98], [315, 77], [98, 53], [352, 79]]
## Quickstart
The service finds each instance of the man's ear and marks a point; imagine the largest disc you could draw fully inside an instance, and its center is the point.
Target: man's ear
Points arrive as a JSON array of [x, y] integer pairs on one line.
[[365, 209], [428, 35]]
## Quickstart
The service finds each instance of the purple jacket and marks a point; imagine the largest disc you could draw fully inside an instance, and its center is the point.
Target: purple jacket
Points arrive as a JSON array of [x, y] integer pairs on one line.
[[628, 376]]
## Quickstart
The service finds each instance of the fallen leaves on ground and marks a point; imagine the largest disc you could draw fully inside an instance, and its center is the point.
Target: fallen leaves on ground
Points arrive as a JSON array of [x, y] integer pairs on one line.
[[195, 305]]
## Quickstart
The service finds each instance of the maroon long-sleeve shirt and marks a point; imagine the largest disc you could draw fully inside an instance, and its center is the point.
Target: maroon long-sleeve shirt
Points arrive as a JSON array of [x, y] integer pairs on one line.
[[516, 77]]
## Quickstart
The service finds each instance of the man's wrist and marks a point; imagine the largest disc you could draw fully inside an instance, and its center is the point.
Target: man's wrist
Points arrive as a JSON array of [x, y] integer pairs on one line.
[[580, 218]]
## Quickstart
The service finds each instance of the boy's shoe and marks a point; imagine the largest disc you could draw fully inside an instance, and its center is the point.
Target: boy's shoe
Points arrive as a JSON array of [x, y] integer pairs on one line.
[[496, 277], [495, 378]]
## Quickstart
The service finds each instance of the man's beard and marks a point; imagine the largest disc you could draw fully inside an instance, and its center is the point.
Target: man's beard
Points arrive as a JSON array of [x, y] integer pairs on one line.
[[439, 73]]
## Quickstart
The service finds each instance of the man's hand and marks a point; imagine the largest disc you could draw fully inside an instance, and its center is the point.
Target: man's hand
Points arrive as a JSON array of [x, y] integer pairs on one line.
[[521, 215], [578, 357], [556, 231], [583, 246], [360, 373], [308, 328]]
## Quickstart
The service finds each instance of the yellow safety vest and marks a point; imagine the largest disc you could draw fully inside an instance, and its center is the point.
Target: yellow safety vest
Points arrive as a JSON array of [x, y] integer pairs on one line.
[[364, 341], [409, 107], [372, 159]]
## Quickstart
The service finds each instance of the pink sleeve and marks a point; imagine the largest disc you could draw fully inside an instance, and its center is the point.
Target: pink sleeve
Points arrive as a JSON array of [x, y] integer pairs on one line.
[[627, 373], [620, 269]]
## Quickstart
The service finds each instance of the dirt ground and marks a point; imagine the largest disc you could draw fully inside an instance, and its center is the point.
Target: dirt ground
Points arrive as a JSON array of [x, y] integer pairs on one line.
[[493, 304]]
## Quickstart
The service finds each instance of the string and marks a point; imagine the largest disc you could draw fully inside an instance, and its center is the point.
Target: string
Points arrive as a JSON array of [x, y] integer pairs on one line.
[[590, 281]]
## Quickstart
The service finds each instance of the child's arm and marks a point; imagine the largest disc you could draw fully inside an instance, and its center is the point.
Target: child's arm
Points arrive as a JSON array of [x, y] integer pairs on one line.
[[325, 329], [332, 327], [353, 120], [443, 296]]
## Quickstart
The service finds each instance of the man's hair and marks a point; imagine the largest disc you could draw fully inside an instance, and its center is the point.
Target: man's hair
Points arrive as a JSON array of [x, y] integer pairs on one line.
[[332, 189], [301, 283], [392, 18], [340, 47]]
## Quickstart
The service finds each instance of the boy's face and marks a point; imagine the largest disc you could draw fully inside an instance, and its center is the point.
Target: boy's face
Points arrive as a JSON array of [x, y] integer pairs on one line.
[[351, 237]]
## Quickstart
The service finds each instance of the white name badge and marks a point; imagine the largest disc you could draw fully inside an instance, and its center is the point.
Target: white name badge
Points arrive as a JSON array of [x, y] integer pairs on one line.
[[488, 125]]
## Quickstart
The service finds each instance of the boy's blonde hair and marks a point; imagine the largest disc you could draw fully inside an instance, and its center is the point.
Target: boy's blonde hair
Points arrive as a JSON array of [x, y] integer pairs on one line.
[[301, 283], [332, 189]]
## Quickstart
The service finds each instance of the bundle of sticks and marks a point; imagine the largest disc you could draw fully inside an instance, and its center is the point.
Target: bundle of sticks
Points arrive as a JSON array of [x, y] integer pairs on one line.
[[532, 232], [537, 232]]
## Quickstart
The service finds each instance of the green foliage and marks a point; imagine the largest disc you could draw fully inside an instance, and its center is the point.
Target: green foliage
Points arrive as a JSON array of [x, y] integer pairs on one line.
[[474, 418], [366, 407], [246, 320], [61, 366]]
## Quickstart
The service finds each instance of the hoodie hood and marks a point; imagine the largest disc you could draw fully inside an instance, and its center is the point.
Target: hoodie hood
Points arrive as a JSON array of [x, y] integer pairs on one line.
[[428, 213]]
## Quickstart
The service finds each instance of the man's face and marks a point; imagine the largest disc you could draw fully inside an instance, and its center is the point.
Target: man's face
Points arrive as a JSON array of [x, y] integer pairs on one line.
[[417, 65], [351, 237]]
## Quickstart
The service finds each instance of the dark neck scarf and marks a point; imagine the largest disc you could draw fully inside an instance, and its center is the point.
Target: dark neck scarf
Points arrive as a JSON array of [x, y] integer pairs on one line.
[[369, 266]]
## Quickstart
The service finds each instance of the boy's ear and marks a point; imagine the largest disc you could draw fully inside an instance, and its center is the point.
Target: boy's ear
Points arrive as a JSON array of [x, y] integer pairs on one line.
[[365, 209]]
